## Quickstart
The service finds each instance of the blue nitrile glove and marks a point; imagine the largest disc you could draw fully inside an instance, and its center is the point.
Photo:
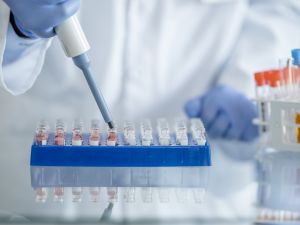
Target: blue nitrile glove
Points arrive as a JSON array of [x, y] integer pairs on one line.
[[225, 113], [37, 18]]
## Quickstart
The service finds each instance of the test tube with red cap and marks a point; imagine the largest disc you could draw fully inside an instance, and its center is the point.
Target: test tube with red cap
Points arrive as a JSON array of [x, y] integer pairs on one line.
[[262, 94]]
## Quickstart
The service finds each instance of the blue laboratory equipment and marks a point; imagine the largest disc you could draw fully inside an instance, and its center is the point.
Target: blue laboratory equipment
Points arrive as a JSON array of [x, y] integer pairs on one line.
[[76, 46], [123, 159]]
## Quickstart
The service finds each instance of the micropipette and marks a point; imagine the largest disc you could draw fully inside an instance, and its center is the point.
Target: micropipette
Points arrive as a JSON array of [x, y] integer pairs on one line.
[[75, 45]]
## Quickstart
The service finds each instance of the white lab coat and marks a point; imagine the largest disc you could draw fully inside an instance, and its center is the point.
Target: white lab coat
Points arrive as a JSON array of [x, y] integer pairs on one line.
[[149, 57]]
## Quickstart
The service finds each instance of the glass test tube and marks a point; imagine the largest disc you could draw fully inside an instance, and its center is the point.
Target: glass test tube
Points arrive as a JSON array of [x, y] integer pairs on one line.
[[41, 136], [95, 136], [129, 133], [181, 132], [146, 132], [198, 131], [163, 131]]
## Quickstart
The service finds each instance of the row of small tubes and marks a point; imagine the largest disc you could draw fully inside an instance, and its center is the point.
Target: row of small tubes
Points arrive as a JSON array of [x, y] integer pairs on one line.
[[163, 130], [129, 194], [271, 215]]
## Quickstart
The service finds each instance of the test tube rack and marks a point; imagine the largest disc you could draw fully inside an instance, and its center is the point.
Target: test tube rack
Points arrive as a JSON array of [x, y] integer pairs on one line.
[[157, 165]]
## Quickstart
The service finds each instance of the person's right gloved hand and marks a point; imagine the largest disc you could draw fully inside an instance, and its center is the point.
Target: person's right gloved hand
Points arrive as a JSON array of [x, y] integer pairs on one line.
[[38, 18]]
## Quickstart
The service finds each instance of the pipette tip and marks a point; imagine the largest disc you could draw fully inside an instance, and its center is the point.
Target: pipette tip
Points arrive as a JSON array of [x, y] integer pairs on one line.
[[111, 124]]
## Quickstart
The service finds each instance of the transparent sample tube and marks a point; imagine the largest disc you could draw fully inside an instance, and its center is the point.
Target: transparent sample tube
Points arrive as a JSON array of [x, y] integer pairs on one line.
[[41, 135], [60, 130], [129, 133], [181, 132], [129, 194], [198, 131], [164, 194], [95, 137], [112, 137], [76, 194], [163, 131], [41, 195], [199, 194], [112, 193], [94, 194], [262, 95], [146, 193], [181, 194], [77, 137], [146, 132], [58, 193]]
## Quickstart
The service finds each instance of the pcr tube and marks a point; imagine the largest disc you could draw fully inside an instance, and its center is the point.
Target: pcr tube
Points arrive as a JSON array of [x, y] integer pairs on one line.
[[59, 138], [76, 194], [95, 137], [77, 133], [181, 132], [41, 194], [94, 194], [198, 194], [112, 137], [163, 131], [146, 132], [129, 133], [129, 195], [164, 194], [42, 130], [112, 193], [181, 194], [146, 193], [198, 131], [58, 194]]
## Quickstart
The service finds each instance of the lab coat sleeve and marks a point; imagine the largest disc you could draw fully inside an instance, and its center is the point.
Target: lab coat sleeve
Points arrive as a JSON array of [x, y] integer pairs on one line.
[[21, 59]]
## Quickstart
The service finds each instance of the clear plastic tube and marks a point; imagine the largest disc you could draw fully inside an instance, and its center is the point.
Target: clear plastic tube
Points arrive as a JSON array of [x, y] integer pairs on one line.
[[77, 137], [41, 195], [181, 131], [163, 130], [60, 130], [76, 194], [94, 194], [198, 131], [41, 136], [146, 132], [95, 137], [129, 133], [112, 137]]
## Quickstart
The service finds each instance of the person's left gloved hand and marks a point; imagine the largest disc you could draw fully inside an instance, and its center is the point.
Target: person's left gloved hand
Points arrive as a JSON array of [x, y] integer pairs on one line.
[[38, 18], [225, 113]]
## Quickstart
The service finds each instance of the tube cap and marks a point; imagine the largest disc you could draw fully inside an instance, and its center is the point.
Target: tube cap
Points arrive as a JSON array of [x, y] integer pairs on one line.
[[260, 78], [296, 56]]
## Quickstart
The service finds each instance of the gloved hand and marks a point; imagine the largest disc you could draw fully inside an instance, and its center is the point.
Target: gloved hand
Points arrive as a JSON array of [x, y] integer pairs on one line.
[[225, 113], [37, 18]]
